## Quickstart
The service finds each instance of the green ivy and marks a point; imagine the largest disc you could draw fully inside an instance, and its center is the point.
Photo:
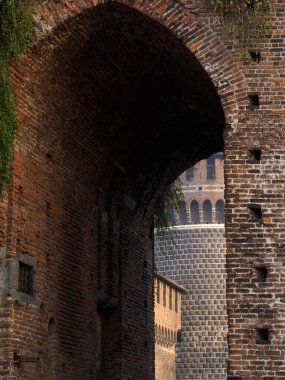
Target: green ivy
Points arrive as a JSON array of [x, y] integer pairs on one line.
[[246, 21], [15, 30], [172, 198]]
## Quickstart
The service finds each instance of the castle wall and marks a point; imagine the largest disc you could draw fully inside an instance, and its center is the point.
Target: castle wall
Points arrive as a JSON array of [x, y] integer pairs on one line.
[[195, 257]]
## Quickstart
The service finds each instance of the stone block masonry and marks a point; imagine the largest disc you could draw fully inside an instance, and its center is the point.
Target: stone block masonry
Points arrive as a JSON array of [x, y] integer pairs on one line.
[[195, 257]]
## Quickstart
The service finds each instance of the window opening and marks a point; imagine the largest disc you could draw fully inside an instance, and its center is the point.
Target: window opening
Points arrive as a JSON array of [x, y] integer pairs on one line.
[[26, 278], [190, 174], [194, 210], [220, 211], [183, 213], [164, 295], [207, 212]]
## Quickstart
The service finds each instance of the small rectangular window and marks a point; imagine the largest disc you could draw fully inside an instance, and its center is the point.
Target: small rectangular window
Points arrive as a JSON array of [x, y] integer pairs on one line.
[[158, 292], [164, 295], [26, 278], [211, 170], [190, 174], [176, 302], [170, 298]]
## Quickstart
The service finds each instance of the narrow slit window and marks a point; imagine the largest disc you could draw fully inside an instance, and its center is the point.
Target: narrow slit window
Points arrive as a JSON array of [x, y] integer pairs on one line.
[[170, 298], [158, 292]]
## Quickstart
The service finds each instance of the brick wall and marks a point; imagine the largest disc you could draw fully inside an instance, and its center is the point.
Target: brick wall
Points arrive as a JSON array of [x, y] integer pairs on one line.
[[195, 257], [107, 119]]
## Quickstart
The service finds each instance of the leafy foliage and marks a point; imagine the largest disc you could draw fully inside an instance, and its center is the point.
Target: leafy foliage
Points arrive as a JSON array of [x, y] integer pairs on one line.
[[15, 29], [246, 21], [172, 198]]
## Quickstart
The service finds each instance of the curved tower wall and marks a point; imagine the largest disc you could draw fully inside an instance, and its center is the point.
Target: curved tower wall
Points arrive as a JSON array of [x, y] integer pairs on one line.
[[194, 256]]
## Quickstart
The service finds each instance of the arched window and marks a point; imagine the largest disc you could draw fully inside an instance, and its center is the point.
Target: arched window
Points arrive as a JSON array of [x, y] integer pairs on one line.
[[179, 336], [220, 211], [183, 213], [171, 215], [194, 211], [207, 212]]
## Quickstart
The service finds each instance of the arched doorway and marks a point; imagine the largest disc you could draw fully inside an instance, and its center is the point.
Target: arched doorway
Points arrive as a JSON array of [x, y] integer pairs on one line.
[[114, 107]]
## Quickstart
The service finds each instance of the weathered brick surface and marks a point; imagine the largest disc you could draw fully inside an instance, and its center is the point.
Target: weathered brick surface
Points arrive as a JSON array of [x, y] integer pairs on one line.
[[112, 107], [195, 257]]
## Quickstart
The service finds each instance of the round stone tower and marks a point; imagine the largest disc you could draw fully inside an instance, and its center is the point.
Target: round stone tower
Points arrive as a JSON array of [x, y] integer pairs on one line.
[[192, 253]]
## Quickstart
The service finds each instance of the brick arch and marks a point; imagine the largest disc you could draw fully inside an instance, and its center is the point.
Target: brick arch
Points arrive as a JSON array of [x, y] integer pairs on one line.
[[57, 45], [197, 29], [195, 25]]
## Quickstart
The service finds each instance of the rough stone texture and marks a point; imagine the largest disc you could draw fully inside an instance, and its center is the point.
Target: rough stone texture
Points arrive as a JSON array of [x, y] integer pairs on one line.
[[195, 257], [112, 106]]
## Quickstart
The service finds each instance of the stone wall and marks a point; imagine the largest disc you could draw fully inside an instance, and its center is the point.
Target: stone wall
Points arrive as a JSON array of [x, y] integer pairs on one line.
[[195, 257]]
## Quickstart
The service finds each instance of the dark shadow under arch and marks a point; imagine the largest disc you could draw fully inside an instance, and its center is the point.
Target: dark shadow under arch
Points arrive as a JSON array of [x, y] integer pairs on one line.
[[117, 108]]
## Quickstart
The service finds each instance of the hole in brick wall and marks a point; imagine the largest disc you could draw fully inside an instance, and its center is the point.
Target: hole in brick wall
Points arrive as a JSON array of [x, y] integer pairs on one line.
[[255, 213], [253, 101], [145, 304], [49, 156], [262, 336], [48, 206], [21, 191], [254, 155], [255, 56], [260, 272], [51, 325], [145, 344], [145, 264], [16, 358]]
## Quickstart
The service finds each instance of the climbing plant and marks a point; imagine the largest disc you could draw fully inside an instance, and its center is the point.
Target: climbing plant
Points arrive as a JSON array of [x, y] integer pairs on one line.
[[246, 21], [172, 198], [15, 30]]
